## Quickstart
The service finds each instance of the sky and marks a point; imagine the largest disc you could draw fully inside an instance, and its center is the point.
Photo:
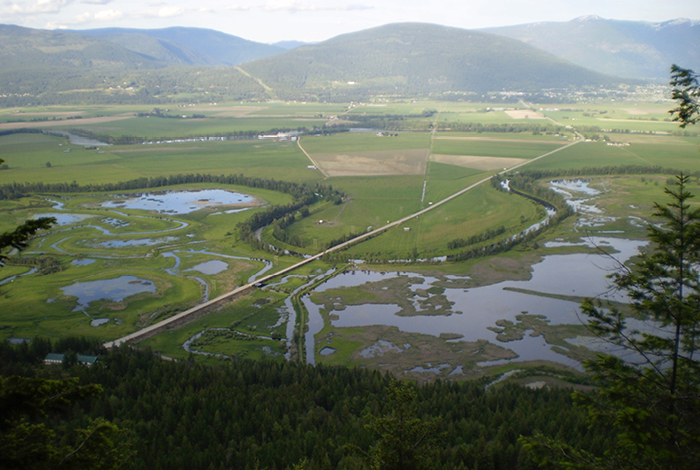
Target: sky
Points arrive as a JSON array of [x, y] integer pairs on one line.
[[270, 21]]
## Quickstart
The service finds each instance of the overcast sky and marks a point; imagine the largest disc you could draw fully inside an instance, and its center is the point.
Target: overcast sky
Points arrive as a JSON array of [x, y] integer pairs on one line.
[[316, 20]]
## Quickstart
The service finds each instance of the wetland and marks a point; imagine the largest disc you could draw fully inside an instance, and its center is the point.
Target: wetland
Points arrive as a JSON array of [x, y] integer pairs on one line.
[[397, 302]]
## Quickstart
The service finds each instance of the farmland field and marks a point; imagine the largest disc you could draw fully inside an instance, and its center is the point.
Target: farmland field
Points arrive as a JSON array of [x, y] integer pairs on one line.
[[492, 148], [174, 261]]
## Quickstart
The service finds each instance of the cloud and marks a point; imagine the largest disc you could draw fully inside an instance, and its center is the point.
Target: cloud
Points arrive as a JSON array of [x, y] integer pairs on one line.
[[96, 2], [87, 17], [108, 15], [359, 7], [237, 8], [39, 6], [294, 6], [164, 12]]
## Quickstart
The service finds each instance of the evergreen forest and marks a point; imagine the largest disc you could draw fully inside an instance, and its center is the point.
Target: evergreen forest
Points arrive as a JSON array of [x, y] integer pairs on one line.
[[262, 414]]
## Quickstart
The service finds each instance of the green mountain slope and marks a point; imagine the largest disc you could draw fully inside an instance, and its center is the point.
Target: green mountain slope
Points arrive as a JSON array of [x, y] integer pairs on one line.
[[420, 58], [160, 50], [58, 67], [33, 61], [625, 48], [24, 48], [187, 46], [55, 67]]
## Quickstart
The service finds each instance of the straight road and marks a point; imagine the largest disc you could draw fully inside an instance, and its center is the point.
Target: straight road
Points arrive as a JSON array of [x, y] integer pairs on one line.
[[181, 317]]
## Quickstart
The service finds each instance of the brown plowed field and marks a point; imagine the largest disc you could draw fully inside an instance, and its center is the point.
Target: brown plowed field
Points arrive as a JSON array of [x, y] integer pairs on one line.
[[478, 163], [381, 162]]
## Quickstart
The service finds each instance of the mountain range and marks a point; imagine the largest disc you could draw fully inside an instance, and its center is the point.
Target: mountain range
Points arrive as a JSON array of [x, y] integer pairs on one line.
[[395, 59], [633, 49], [188, 46], [419, 58]]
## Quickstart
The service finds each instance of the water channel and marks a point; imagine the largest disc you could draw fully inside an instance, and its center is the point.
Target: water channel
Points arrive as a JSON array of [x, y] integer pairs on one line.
[[474, 310]]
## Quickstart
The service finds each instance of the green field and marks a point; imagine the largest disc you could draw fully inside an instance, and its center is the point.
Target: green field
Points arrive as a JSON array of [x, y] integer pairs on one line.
[[169, 128], [27, 154], [505, 136], [486, 148], [666, 152], [35, 304]]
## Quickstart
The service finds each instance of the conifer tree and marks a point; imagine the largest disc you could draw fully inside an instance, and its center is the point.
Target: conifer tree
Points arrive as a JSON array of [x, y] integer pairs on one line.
[[650, 381]]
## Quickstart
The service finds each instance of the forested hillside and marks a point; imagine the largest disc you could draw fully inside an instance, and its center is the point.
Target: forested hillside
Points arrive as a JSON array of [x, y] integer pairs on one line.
[[246, 414], [115, 66], [635, 49], [187, 46], [58, 67], [418, 58]]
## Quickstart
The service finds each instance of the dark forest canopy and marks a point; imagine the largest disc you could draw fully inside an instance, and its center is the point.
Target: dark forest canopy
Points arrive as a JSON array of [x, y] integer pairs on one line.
[[243, 414]]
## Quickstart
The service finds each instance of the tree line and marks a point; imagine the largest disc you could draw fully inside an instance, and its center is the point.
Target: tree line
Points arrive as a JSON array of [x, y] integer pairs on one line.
[[16, 190], [479, 127]]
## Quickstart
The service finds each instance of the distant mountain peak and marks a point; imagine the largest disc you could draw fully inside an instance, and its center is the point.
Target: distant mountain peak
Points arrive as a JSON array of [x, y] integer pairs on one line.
[[587, 19], [677, 22], [633, 49]]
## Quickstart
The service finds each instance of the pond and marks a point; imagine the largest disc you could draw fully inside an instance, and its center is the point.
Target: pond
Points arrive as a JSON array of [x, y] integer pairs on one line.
[[211, 267], [115, 290], [82, 262], [136, 242], [66, 219], [473, 311], [181, 202]]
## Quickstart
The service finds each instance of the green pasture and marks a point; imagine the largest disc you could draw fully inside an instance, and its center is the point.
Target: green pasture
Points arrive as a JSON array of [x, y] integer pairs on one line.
[[36, 305], [470, 214], [615, 109], [667, 152], [9, 271], [254, 314], [29, 114], [487, 148], [621, 120], [587, 155], [364, 142], [372, 201], [417, 106], [292, 108], [443, 180], [515, 136], [264, 159], [219, 109], [492, 116], [33, 151], [153, 128], [673, 153], [390, 109], [637, 126], [460, 107]]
